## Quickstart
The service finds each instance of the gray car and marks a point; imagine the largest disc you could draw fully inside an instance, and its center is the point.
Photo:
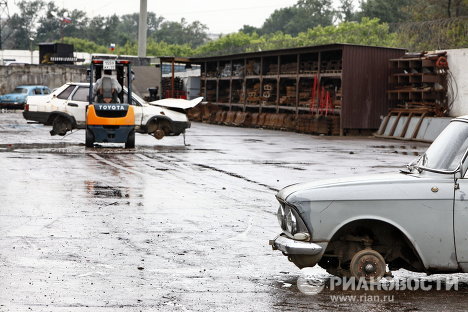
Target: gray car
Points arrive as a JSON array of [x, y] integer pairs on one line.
[[416, 219]]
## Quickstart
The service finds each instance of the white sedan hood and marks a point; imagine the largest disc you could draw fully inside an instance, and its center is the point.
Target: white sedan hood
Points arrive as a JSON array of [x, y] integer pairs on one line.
[[177, 103]]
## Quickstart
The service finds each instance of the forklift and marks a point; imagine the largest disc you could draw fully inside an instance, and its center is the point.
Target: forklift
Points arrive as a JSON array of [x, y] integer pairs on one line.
[[110, 117]]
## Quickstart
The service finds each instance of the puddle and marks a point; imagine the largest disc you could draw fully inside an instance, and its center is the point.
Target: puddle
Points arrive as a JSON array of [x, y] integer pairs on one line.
[[27, 146], [105, 191]]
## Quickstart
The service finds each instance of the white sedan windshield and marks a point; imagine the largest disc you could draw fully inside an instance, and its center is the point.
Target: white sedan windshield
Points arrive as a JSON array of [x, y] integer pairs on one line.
[[448, 149]]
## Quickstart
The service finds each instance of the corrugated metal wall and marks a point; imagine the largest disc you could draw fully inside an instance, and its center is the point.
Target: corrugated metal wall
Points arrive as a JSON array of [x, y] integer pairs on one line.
[[365, 81]]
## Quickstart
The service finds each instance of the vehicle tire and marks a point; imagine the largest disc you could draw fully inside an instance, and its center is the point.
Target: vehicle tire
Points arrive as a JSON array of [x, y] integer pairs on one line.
[[130, 140], [368, 264], [162, 129], [61, 126], [159, 134], [89, 142]]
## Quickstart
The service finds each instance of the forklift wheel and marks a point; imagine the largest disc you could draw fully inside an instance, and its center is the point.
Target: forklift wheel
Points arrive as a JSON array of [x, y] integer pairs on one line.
[[89, 138], [130, 140]]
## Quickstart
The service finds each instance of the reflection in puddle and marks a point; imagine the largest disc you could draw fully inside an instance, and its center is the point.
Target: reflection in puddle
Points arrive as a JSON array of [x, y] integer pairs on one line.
[[402, 149], [104, 191]]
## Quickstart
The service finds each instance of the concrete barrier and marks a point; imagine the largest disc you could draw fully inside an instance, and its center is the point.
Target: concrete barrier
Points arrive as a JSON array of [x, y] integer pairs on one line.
[[410, 127], [52, 76]]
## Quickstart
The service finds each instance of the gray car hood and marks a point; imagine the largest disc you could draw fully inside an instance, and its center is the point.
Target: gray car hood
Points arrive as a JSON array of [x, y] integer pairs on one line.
[[372, 187]]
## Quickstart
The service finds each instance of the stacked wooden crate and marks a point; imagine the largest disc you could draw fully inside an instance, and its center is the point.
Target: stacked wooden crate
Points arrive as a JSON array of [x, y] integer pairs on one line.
[[269, 94], [253, 94]]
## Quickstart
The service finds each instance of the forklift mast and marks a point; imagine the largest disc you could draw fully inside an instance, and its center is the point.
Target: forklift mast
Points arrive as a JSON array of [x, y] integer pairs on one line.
[[123, 71]]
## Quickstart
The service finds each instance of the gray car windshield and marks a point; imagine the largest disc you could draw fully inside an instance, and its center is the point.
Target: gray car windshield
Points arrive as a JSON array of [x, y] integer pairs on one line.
[[448, 149]]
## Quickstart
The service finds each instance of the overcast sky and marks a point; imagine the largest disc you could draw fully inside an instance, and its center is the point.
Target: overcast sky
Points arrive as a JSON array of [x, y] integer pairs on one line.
[[220, 16]]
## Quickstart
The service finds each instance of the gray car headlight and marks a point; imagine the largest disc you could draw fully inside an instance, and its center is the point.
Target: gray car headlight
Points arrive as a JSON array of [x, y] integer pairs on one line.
[[287, 219], [281, 217], [291, 222]]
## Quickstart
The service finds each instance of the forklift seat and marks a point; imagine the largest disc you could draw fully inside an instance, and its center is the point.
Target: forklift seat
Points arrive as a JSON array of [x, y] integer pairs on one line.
[[107, 94]]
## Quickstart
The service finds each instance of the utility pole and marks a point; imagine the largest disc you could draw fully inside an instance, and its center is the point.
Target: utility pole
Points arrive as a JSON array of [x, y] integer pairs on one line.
[[142, 28], [4, 14]]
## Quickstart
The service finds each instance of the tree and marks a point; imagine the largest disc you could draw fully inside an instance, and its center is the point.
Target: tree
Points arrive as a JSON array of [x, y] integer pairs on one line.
[[42, 21], [52, 26], [320, 12], [280, 20], [22, 26], [386, 11], [346, 11], [84, 45], [128, 27], [424, 10], [103, 30], [305, 14], [368, 32], [193, 34], [247, 29], [230, 43]]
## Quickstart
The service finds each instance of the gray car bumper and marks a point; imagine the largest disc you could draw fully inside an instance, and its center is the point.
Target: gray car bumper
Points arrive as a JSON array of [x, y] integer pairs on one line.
[[293, 247]]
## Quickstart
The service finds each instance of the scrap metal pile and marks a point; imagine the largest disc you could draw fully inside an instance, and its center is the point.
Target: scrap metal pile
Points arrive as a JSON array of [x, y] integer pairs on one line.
[[418, 83], [178, 87]]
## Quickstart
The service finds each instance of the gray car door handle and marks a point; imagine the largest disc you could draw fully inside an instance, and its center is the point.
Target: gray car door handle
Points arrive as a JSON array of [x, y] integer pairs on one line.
[[72, 104]]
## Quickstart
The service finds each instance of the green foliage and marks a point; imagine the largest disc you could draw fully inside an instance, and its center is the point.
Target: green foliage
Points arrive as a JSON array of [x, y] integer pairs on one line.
[[387, 11], [424, 10], [84, 45], [303, 15], [193, 34], [165, 49], [280, 20], [367, 32], [52, 28], [346, 11], [21, 26], [247, 29], [157, 49], [43, 22], [434, 35], [308, 22], [228, 43]]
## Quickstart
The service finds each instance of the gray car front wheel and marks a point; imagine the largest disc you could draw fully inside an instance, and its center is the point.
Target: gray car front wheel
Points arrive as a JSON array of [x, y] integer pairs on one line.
[[368, 264]]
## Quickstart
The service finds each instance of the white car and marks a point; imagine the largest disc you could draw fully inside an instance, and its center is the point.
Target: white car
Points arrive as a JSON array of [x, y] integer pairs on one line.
[[65, 109]]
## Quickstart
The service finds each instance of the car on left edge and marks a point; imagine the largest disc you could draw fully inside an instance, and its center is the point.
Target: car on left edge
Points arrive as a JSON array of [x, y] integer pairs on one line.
[[17, 98]]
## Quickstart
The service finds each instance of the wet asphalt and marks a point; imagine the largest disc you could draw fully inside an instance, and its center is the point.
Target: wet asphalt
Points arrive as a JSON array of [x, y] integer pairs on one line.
[[168, 227]]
